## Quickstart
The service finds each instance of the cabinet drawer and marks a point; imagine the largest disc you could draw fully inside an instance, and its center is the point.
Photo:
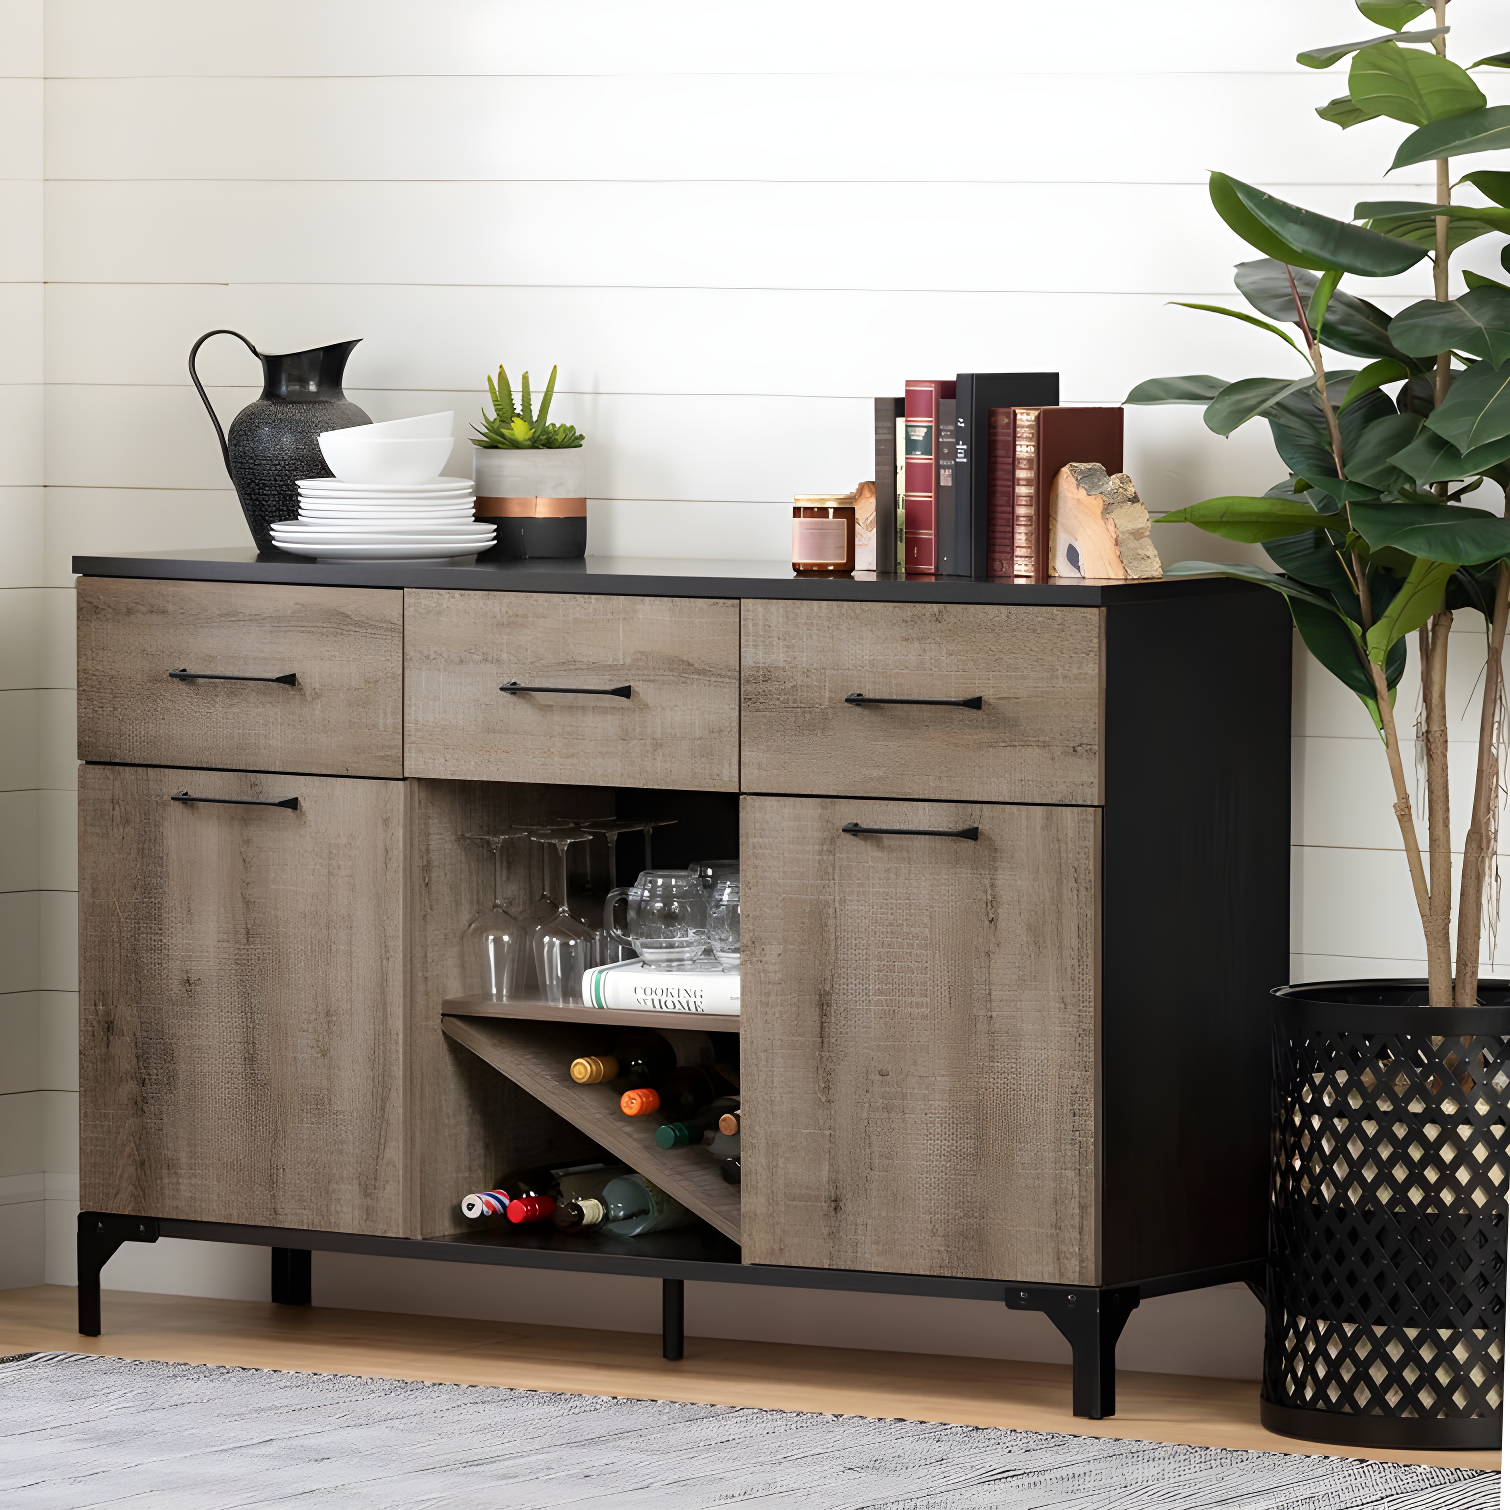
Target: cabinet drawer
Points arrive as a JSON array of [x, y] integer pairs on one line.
[[678, 658], [344, 647], [1036, 736], [920, 1038], [241, 998]]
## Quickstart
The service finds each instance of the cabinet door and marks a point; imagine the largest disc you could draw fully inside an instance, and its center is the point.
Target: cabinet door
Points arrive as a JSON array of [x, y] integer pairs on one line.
[[920, 1038], [242, 998]]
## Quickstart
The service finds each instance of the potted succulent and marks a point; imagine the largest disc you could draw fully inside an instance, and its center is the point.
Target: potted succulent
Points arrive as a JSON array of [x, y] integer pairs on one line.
[[1386, 1285], [530, 475]]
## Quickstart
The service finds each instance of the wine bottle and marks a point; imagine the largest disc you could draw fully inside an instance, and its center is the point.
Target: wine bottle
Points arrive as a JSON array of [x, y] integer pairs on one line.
[[729, 1169], [629, 1206], [640, 1056], [537, 1179], [700, 1129], [729, 1123], [584, 1180], [676, 1095]]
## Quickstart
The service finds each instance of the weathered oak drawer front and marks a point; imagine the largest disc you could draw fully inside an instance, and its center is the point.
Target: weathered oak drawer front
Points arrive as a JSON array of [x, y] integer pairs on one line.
[[1033, 736], [920, 1037], [614, 691], [141, 644], [241, 997]]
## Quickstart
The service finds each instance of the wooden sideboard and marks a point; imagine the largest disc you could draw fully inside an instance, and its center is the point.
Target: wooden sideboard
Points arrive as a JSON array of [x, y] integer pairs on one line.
[[1028, 1066]]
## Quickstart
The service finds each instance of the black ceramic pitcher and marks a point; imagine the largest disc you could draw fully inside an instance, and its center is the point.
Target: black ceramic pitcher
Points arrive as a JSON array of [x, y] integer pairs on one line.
[[274, 441]]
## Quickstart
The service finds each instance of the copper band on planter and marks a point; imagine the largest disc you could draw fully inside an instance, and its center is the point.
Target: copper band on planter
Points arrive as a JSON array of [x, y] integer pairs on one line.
[[531, 508]]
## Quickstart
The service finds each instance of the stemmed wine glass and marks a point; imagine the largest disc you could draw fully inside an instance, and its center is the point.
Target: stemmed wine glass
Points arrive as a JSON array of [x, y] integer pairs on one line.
[[563, 946], [492, 944]]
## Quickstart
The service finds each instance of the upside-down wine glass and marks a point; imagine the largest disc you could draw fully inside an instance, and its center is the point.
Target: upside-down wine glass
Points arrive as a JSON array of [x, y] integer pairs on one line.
[[563, 946], [492, 944]]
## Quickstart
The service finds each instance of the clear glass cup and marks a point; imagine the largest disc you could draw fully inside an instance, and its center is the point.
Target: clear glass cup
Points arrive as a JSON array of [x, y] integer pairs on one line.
[[711, 871], [492, 944], [666, 918], [563, 946], [723, 922]]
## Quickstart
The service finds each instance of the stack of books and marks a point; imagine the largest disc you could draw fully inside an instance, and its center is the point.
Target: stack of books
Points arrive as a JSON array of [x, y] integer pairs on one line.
[[964, 468]]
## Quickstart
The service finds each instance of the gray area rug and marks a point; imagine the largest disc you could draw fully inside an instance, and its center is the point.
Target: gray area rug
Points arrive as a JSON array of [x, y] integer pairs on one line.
[[78, 1431]]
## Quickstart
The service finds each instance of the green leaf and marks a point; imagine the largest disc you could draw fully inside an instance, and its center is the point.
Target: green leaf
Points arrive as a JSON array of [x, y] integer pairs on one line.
[[545, 403], [1375, 375], [1491, 185], [1417, 223], [1477, 322], [1413, 605], [1343, 490], [1343, 112], [524, 406], [1248, 398], [1431, 459], [1336, 644], [1199, 388], [1477, 408], [1478, 131], [1312, 557], [1321, 297], [1324, 57], [1304, 239], [503, 397], [1411, 86], [1494, 60], [1353, 326], [1391, 13], [1478, 280], [1434, 531], [1237, 314], [1371, 458], [1245, 571], [1250, 520]]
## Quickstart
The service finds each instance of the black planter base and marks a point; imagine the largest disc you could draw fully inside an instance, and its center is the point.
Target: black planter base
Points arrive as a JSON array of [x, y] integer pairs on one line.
[[542, 539], [1407, 1433]]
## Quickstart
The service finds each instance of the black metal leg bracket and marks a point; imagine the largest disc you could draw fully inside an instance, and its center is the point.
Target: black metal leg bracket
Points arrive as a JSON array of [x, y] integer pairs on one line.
[[673, 1313], [1091, 1321], [99, 1236], [292, 1275]]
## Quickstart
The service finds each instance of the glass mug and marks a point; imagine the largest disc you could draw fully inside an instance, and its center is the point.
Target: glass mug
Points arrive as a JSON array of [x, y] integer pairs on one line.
[[666, 914], [723, 922]]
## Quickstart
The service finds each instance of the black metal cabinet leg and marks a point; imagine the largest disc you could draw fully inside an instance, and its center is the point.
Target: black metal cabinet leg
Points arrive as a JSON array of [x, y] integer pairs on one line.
[[1091, 1321], [291, 1276], [100, 1234], [673, 1302]]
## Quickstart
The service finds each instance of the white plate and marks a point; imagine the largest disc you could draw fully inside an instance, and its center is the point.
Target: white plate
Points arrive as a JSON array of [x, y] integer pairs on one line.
[[449, 495], [361, 489], [450, 537], [381, 552], [391, 516], [382, 511]]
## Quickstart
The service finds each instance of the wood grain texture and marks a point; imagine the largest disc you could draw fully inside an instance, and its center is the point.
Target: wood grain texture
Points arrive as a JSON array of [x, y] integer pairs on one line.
[[343, 717], [241, 999], [613, 1017], [536, 1056], [1035, 739], [679, 728], [921, 1039], [470, 1124]]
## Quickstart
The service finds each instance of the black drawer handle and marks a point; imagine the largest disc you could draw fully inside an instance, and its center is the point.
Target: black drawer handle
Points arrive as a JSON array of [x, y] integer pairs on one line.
[[928, 833], [512, 687], [185, 675], [292, 803], [860, 700]]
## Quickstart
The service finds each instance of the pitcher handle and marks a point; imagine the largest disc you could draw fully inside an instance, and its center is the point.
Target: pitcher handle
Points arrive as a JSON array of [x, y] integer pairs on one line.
[[608, 911], [225, 453]]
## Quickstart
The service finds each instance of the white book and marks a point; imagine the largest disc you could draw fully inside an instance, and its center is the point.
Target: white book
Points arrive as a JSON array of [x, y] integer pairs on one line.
[[635, 986]]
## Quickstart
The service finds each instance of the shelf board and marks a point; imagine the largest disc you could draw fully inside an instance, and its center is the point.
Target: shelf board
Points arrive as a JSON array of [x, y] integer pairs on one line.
[[535, 1010], [535, 1056], [700, 1244]]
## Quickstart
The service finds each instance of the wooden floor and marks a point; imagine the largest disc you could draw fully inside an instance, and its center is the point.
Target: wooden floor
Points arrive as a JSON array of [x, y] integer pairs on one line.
[[971, 1391]]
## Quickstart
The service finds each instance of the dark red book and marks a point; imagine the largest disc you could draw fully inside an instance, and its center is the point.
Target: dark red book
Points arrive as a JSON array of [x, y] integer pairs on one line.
[[1039, 442], [921, 459]]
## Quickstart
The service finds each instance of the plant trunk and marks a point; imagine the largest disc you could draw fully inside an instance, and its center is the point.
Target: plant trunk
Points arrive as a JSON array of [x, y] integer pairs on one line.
[[1439, 827], [1403, 814], [1477, 854]]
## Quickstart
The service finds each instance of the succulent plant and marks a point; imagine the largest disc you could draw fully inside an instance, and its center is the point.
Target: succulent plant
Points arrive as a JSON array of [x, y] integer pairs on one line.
[[511, 429]]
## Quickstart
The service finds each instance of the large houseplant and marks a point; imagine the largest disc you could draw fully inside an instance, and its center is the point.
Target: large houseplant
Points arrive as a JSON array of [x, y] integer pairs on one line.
[[1386, 1285], [530, 475]]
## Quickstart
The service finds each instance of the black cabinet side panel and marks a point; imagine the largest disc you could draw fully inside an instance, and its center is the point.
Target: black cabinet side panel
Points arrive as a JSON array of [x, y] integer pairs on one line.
[[1196, 926]]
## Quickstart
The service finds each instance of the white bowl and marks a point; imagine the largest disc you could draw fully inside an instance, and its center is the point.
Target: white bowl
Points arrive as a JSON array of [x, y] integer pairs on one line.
[[417, 427], [355, 457]]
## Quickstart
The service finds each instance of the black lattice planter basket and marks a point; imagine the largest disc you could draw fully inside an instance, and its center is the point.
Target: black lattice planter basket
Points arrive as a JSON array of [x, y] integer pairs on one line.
[[1386, 1285]]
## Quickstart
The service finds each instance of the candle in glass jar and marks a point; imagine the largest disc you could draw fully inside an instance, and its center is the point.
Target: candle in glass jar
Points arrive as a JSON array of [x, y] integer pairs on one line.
[[823, 533]]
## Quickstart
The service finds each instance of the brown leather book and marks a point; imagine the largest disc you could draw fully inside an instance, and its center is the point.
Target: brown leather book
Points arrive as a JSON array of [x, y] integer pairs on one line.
[[1039, 442]]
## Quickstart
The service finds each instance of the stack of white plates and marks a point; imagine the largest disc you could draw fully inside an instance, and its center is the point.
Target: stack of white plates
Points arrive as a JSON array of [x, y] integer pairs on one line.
[[375, 521]]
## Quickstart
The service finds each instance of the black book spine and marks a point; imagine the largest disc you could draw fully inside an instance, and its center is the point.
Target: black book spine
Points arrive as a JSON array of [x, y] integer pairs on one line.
[[888, 411], [946, 498], [963, 550]]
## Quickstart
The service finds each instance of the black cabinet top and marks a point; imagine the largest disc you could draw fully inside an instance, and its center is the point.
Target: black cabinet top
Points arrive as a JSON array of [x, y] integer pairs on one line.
[[633, 575]]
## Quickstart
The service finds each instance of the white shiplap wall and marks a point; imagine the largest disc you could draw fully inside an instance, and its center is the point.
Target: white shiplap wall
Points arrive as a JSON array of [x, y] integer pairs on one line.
[[730, 229]]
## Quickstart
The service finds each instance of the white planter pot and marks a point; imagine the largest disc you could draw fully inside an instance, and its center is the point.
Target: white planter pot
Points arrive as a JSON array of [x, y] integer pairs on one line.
[[538, 499]]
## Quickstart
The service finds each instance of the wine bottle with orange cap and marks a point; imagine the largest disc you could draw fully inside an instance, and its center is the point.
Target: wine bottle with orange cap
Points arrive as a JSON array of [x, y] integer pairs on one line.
[[676, 1095]]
